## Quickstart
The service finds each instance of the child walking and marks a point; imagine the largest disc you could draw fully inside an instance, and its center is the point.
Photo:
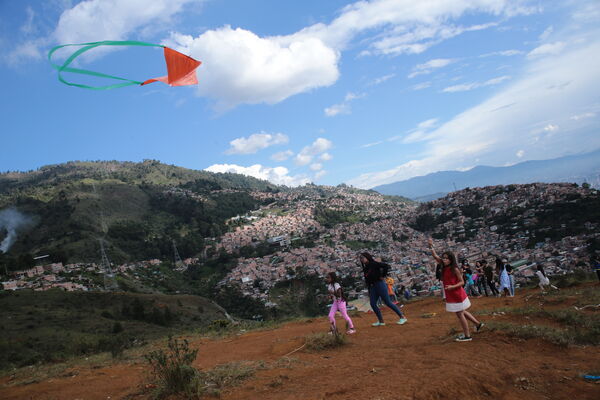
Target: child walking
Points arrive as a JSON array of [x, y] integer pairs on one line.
[[457, 300], [339, 303], [544, 281]]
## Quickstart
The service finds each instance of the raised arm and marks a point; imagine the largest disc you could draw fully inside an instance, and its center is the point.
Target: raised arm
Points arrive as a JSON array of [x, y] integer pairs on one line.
[[433, 253]]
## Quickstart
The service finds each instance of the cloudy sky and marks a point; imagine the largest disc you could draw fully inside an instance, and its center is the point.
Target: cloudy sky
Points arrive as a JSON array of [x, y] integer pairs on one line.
[[366, 92]]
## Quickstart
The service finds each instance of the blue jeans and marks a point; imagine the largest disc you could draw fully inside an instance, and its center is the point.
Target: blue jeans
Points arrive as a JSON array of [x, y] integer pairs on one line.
[[379, 291]]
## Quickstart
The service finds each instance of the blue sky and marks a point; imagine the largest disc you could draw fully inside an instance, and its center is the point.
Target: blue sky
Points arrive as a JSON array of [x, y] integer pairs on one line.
[[365, 93]]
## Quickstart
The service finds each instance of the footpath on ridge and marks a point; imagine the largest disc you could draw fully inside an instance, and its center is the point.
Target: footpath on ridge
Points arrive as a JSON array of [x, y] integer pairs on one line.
[[418, 360]]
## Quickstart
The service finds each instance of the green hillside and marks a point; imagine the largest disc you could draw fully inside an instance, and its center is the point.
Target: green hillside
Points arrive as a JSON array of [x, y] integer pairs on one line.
[[140, 208], [56, 325]]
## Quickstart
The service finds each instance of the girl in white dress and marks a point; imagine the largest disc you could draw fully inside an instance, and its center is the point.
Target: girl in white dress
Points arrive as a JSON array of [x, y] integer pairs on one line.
[[544, 281]]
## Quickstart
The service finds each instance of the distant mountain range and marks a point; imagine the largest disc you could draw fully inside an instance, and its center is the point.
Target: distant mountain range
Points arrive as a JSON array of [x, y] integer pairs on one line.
[[578, 169]]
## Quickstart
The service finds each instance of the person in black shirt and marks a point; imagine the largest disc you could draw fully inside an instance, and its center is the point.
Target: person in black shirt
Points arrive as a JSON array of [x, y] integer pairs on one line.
[[374, 273]]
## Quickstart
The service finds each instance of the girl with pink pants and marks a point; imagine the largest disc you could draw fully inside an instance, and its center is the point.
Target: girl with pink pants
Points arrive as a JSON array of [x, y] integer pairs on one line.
[[339, 303]]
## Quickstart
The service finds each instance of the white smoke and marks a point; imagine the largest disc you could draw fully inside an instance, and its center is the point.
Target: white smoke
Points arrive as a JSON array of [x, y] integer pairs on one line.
[[12, 221]]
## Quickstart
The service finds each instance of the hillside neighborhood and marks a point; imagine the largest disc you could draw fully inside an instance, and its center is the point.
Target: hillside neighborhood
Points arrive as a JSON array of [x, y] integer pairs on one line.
[[314, 230]]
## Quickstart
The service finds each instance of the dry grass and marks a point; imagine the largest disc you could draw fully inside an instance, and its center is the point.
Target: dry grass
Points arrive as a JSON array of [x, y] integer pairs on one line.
[[323, 341]]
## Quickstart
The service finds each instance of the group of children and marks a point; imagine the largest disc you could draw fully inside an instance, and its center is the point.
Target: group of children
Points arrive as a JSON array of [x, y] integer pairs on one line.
[[375, 273], [457, 284], [479, 280]]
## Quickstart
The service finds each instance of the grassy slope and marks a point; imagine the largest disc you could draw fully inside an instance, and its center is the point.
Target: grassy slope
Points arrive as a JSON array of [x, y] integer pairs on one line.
[[74, 204], [56, 325]]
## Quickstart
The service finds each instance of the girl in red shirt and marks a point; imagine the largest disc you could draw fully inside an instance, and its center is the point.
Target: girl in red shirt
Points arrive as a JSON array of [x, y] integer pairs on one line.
[[457, 300]]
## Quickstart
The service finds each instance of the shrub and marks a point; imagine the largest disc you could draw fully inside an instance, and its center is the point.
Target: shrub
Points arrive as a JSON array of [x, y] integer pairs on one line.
[[115, 344], [322, 341], [173, 370], [117, 327], [219, 324]]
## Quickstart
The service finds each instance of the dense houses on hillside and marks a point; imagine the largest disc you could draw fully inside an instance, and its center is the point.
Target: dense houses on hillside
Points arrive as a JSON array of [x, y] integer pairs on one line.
[[475, 223], [392, 238], [70, 277]]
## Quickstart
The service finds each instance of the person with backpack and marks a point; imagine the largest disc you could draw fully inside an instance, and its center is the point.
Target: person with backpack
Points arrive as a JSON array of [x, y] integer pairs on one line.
[[375, 273], [340, 300]]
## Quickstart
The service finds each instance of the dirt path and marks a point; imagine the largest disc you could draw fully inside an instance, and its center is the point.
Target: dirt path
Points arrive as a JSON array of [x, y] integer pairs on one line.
[[416, 361]]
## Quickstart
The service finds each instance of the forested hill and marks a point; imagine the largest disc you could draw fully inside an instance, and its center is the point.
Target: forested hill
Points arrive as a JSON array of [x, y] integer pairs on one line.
[[140, 208]]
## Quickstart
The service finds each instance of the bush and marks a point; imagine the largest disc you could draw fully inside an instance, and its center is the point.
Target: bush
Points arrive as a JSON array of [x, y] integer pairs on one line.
[[174, 373], [115, 344], [117, 327], [322, 341], [173, 369]]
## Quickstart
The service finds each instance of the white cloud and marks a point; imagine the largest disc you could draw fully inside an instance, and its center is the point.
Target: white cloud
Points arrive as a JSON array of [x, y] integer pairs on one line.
[[421, 132], [344, 107], [474, 85], [582, 116], [429, 66], [520, 153], [276, 175], [114, 19], [320, 174], [93, 20], [353, 96], [546, 34], [499, 127], [381, 79], [337, 109], [548, 49], [551, 128], [242, 67], [255, 142], [282, 155], [427, 124], [307, 154], [29, 27], [408, 22], [365, 146], [29, 50], [422, 37], [421, 86], [325, 157], [504, 53], [316, 166]]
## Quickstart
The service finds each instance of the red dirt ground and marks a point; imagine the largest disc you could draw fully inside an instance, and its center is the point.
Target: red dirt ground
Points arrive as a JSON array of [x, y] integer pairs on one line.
[[416, 361]]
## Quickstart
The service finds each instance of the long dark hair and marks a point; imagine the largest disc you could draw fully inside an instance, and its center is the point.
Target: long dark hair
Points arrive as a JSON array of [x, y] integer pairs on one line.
[[333, 277], [451, 257], [334, 280], [368, 256], [540, 267], [499, 263]]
